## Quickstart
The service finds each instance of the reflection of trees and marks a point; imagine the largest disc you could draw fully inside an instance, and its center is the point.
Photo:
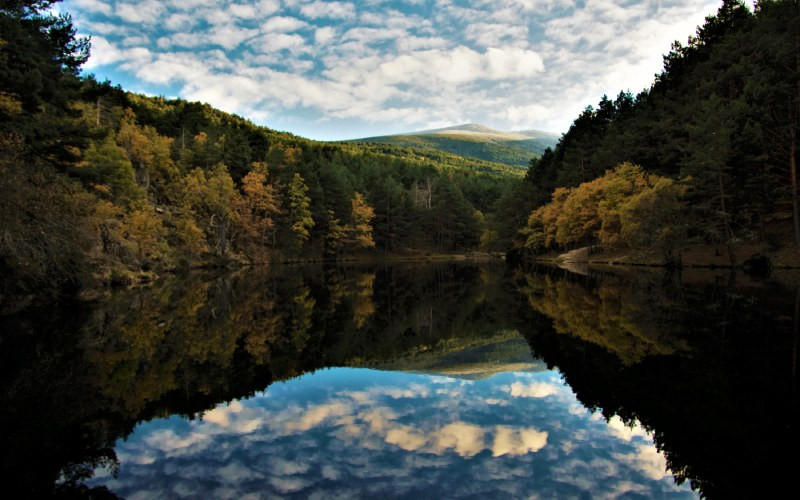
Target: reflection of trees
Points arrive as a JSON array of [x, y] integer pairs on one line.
[[629, 325], [363, 307], [721, 406], [183, 346], [301, 307]]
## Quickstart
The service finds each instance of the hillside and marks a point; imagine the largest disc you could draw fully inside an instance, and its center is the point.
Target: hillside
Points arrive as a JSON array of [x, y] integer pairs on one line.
[[703, 164], [475, 141], [107, 187]]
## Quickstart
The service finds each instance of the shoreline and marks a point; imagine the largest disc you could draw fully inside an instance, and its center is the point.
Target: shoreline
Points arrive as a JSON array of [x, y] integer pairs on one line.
[[756, 258]]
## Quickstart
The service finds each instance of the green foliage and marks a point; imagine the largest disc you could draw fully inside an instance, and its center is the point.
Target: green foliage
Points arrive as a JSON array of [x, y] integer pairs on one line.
[[107, 170], [514, 149], [300, 217], [723, 115], [39, 60]]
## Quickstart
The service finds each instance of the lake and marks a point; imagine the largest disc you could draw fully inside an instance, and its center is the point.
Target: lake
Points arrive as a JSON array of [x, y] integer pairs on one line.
[[457, 380]]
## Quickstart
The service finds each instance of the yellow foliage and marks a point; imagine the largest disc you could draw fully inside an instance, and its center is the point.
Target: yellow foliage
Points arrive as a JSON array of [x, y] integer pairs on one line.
[[625, 207], [362, 215]]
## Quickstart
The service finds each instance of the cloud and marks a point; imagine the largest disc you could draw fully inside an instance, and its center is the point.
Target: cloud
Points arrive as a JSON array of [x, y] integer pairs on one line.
[[382, 66], [510, 441], [283, 24], [324, 35], [274, 42], [532, 390], [143, 12], [329, 10], [318, 415], [169, 442], [104, 53], [411, 435], [494, 34], [98, 6], [465, 439]]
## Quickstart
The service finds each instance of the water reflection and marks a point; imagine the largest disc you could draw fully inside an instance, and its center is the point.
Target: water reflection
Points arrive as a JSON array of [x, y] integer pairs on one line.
[[479, 382], [353, 432]]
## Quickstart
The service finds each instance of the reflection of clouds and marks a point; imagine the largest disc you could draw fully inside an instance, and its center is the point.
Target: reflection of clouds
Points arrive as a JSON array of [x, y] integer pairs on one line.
[[460, 437], [466, 439], [169, 442], [289, 484], [235, 472], [647, 460], [406, 438], [317, 415], [508, 441], [511, 435], [627, 432], [280, 467], [532, 390]]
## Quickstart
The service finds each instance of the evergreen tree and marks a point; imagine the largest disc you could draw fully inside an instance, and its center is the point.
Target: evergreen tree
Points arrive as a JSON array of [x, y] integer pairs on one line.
[[300, 218]]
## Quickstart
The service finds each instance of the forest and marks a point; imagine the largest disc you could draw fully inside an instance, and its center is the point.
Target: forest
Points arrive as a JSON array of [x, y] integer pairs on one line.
[[103, 186], [707, 156]]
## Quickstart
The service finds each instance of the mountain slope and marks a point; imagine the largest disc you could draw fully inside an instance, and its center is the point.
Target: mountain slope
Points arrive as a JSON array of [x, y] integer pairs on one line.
[[475, 141]]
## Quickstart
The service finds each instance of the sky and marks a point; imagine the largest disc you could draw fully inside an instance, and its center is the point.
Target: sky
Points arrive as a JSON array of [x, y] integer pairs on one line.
[[332, 70]]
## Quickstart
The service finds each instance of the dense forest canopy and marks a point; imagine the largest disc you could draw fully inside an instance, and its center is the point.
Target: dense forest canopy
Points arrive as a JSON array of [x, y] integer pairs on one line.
[[719, 123], [102, 184]]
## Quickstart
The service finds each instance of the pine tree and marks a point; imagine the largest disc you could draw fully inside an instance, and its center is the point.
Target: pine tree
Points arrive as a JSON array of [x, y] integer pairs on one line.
[[300, 218]]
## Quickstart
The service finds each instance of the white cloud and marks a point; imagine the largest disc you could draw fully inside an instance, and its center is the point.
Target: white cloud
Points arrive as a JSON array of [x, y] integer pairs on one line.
[[283, 24], [385, 65], [144, 12], [318, 415], [510, 441], [329, 10], [99, 6], [532, 390], [494, 34], [180, 20], [274, 42], [463, 438], [105, 53], [324, 35]]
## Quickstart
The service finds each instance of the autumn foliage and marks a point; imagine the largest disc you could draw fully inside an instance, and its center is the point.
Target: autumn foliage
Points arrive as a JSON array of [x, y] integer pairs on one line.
[[625, 208]]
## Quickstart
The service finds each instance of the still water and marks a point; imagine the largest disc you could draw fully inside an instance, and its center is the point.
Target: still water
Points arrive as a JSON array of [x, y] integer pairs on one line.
[[426, 381]]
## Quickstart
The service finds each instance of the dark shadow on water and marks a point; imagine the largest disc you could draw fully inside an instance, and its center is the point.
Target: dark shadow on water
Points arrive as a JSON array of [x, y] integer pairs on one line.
[[705, 361]]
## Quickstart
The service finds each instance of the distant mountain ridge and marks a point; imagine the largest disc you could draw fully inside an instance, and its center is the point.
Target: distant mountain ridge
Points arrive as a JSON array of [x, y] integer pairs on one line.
[[477, 141]]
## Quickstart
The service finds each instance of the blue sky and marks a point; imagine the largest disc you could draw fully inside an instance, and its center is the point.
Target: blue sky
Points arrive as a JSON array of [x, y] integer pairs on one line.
[[338, 69]]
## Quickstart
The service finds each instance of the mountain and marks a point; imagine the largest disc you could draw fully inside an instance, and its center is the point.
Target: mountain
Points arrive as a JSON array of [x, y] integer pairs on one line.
[[471, 359], [475, 141]]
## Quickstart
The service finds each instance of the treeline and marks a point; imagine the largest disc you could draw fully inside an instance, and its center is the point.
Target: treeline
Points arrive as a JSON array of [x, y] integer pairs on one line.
[[98, 181], [720, 122]]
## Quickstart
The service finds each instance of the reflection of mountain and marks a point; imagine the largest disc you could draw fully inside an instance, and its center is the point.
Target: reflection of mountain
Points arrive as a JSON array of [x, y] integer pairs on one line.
[[476, 359], [708, 368], [75, 380]]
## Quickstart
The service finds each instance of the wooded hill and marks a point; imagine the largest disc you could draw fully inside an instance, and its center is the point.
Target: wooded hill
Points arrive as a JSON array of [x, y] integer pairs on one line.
[[101, 184], [475, 141], [711, 147]]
